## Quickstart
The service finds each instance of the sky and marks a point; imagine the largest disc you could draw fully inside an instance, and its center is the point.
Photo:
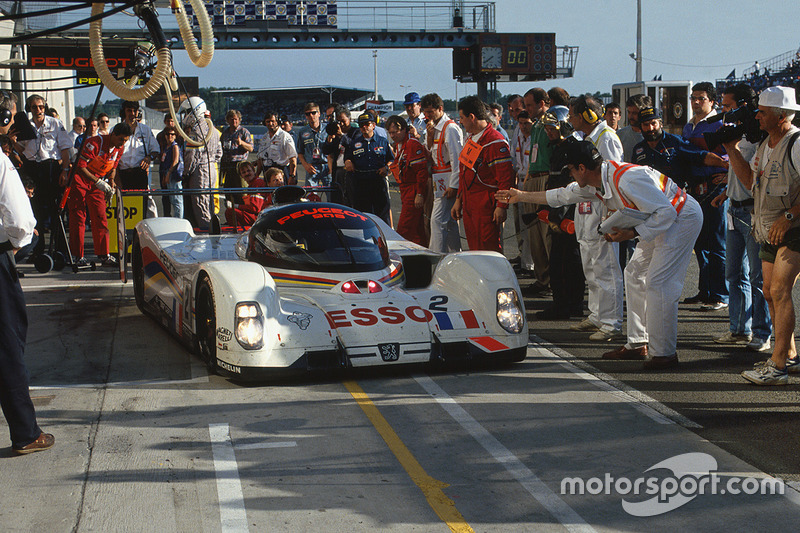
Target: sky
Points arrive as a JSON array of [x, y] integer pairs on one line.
[[699, 40]]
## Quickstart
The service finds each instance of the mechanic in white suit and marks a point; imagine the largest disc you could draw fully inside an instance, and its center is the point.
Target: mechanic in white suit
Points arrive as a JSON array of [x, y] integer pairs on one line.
[[200, 162], [600, 258], [445, 141], [666, 226]]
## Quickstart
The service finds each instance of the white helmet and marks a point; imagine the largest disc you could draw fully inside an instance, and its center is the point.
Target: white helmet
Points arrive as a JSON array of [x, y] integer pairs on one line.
[[192, 110]]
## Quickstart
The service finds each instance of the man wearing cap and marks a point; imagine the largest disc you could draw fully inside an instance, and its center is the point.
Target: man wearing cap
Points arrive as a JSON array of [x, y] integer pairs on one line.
[[773, 176], [484, 167], [445, 141], [665, 220], [366, 159], [414, 112]]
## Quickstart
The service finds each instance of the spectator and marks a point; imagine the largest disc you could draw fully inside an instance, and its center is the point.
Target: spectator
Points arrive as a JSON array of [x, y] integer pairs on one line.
[[170, 172], [16, 229], [288, 127], [414, 111], [246, 213], [444, 141], [366, 159], [631, 135], [410, 170], [613, 114], [519, 148], [7, 146], [485, 167], [78, 127], [237, 143], [276, 149], [496, 111], [309, 151], [90, 190], [141, 149], [558, 96], [705, 184], [671, 155], [90, 131], [537, 102], [600, 257], [46, 161], [103, 123], [335, 143], [566, 270], [748, 312], [776, 218]]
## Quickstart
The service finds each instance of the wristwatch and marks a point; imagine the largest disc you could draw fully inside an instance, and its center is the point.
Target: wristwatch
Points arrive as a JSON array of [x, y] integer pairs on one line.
[[788, 215]]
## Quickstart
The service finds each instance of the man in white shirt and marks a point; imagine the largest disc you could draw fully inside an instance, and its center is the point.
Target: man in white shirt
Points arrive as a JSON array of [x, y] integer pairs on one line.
[[16, 230], [47, 161], [445, 141], [276, 149], [140, 150]]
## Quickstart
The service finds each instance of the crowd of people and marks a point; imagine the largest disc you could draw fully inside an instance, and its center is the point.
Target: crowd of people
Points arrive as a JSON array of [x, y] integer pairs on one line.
[[736, 206]]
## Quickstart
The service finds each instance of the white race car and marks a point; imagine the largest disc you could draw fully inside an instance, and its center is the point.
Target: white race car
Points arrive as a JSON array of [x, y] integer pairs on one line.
[[315, 286]]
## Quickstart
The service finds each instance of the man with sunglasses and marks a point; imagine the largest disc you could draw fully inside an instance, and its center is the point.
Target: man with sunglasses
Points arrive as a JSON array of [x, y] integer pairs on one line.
[[309, 151], [47, 161]]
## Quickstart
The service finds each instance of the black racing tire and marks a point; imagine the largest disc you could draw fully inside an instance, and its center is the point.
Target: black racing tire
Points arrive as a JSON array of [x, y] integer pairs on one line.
[[206, 324], [137, 272]]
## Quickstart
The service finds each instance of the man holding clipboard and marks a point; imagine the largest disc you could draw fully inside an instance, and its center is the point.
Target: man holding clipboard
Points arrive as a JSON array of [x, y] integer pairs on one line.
[[667, 225]]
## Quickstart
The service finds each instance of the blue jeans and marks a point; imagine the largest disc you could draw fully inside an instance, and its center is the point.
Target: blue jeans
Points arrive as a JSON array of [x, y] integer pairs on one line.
[[176, 201], [710, 252], [748, 310]]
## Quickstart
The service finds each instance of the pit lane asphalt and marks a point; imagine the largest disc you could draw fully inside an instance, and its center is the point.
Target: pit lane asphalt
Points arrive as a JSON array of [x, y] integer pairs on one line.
[[132, 410]]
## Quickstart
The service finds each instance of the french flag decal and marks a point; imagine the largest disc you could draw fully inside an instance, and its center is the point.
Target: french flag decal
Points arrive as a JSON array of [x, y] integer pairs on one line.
[[456, 320]]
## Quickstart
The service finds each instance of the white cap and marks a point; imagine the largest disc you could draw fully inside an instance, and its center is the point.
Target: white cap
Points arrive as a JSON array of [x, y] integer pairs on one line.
[[782, 97]]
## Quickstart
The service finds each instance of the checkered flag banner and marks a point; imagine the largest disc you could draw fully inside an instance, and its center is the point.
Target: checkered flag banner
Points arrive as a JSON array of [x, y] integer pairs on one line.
[[321, 13]]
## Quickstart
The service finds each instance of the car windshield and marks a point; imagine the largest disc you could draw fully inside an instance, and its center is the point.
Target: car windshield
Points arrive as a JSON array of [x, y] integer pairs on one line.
[[321, 237]]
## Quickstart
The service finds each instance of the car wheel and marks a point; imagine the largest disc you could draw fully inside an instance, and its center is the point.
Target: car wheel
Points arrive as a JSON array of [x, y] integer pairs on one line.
[[137, 267], [206, 326]]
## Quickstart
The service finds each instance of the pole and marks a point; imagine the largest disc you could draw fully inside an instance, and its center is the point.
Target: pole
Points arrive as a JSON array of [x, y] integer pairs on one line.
[[375, 59], [638, 40]]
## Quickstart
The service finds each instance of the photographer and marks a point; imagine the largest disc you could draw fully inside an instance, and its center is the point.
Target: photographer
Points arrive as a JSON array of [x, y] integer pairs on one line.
[[748, 313], [340, 133], [773, 177]]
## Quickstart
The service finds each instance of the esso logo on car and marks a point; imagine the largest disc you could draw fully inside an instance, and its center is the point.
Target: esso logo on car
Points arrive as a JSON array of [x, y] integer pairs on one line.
[[362, 316]]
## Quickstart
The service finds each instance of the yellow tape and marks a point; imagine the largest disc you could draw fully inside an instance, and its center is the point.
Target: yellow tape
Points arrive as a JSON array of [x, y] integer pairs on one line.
[[444, 507]]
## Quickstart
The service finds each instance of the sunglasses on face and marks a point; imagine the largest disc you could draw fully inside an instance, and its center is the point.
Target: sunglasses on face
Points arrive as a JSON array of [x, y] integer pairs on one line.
[[312, 113]]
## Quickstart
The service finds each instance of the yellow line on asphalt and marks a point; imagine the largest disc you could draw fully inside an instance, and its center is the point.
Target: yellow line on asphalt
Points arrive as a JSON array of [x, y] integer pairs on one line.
[[443, 506]]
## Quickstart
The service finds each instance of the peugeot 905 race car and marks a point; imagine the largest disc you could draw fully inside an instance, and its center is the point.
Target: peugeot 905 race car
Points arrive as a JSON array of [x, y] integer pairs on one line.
[[318, 286]]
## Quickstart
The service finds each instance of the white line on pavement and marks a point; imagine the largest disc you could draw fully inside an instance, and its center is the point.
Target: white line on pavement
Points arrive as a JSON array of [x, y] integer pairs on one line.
[[535, 486], [263, 445], [232, 514], [639, 400]]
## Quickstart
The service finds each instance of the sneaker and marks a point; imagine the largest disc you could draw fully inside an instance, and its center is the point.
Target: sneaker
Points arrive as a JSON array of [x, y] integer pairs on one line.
[[584, 325], [733, 338], [603, 335], [713, 306], [766, 373], [759, 345], [108, 261], [82, 262], [792, 365]]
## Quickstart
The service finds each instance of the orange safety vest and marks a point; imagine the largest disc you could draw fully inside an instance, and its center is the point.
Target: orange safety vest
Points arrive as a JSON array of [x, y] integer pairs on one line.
[[439, 165], [677, 201]]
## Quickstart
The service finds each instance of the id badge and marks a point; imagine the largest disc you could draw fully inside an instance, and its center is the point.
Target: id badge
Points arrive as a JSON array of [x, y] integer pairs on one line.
[[316, 154], [585, 208], [469, 154], [395, 169], [534, 152]]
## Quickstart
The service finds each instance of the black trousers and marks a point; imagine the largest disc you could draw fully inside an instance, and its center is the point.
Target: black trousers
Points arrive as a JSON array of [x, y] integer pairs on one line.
[[566, 273], [15, 398], [45, 176], [370, 194]]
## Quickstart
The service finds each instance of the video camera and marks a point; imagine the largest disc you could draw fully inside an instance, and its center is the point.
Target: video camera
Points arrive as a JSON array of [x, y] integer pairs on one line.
[[741, 122]]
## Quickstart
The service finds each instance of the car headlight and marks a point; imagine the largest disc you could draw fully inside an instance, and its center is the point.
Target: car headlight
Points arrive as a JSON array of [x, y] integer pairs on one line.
[[509, 311], [249, 325]]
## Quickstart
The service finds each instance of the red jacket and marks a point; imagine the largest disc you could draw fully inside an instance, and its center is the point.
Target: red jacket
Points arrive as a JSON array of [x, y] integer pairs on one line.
[[413, 166], [492, 169]]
